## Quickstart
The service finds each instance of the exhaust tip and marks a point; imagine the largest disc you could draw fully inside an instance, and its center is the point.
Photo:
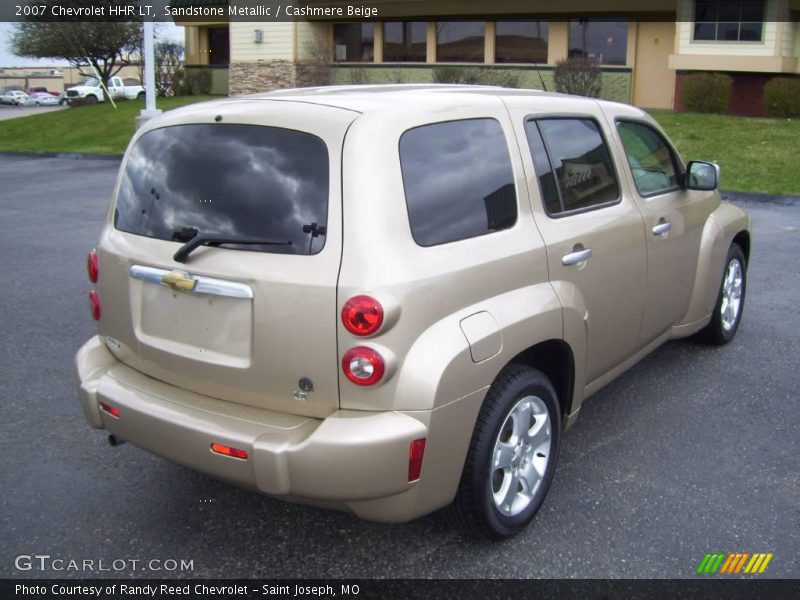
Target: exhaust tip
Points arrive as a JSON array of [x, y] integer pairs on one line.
[[114, 441]]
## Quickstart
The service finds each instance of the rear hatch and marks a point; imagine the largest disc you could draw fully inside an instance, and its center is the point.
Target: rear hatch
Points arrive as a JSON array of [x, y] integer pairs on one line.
[[250, 192]]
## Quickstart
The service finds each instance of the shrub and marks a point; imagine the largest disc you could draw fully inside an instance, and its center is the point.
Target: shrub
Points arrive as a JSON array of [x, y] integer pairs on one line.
[[192, 82], [706, 93], [782, 98], [578, 75], [474, 76]]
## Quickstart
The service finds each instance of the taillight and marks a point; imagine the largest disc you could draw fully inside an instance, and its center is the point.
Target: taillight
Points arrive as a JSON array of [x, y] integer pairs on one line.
[[92, 266], [94, 303], [228, 451], [362, 315], [363, 366], [415, 453], [111, 410]]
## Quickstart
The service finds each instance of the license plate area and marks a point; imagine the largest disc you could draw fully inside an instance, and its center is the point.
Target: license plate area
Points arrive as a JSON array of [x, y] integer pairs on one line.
[[202, 326]]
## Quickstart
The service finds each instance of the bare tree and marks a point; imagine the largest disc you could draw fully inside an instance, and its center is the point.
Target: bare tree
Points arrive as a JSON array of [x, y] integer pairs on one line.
[[169, 58], [319, 53], [107, 46], [578, 75]]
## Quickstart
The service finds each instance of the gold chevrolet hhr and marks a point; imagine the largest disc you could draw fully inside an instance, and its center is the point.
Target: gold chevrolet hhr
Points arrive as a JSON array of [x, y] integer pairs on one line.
[[391, 299]]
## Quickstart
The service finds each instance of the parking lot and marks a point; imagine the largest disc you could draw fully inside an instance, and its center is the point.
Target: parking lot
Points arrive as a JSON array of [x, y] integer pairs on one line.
[[14, 112], [694, 450]]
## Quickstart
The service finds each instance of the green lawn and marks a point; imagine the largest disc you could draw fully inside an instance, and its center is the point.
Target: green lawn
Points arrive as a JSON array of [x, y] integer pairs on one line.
[[95, 129], [756, 155]]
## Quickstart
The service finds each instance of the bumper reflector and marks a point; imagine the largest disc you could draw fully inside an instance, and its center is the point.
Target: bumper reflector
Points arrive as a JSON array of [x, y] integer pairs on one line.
[[111, 410], [415, 452], [228, 451]]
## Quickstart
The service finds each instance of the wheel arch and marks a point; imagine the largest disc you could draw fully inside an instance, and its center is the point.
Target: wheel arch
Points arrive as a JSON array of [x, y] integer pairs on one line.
[[742, 239], [556, 360]]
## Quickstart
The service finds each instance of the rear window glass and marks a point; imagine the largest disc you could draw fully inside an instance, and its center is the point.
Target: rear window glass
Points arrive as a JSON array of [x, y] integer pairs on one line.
[[237, 182], [458, 180]]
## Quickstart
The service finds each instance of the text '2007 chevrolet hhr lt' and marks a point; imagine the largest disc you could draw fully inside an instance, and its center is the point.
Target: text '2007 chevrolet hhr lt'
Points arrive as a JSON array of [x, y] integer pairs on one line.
[[393, 299]]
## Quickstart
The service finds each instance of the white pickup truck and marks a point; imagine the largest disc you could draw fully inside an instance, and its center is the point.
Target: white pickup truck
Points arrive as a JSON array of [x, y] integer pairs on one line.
[[91, 89]]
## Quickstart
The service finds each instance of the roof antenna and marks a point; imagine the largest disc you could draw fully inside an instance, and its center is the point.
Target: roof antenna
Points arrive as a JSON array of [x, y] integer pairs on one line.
[[538, 72]]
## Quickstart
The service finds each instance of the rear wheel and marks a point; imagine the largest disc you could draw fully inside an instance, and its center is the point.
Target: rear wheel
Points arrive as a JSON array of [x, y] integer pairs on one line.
[[512, 455], [730, 301], [141, 96]]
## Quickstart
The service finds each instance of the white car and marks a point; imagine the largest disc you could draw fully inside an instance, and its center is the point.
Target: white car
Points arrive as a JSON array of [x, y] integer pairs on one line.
[[39, 99], [14, 97]]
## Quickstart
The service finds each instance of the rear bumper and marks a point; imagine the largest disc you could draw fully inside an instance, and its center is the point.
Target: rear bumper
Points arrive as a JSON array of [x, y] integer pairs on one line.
[[351, 459]]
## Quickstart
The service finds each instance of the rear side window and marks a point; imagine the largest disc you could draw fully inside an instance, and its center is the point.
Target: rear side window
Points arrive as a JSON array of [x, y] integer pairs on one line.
[[458, 180], [238, 182], [573, 164]]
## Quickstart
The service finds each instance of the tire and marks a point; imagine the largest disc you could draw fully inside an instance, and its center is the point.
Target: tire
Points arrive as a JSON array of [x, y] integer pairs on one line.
[[91, 99], [485, 504], [141, 96], [730, 302]]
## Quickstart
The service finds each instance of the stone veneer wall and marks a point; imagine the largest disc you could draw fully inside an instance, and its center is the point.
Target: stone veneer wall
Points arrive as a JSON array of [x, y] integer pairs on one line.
[[252, 78]]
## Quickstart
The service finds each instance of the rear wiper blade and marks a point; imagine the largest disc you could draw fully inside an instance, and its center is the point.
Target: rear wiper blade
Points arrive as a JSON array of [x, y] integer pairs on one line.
[[209, 240]]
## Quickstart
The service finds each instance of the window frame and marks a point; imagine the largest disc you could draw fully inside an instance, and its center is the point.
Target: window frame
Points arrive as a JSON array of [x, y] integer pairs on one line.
[[615, 168], [601, 20], [361, 25], [677, 164], [480, 61], [716, 40], [510, 164], [421, 61], [531, 21]]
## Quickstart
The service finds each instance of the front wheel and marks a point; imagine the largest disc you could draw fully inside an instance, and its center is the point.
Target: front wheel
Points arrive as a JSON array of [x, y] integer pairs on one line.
[[512, 455], [730, 301], [91, 99], [140, 96]]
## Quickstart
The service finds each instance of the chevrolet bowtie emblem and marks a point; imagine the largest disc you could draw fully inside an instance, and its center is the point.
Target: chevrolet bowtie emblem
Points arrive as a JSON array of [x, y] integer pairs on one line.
[[178, 280]]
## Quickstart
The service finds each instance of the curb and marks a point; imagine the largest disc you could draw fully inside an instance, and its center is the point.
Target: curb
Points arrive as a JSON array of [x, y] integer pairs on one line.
[[759, 198]]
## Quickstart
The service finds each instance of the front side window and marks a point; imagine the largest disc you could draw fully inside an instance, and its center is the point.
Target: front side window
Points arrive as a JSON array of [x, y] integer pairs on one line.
[[458, 180], [728, 20], [604, 41], [521, 41], [460, 41], [353, 42], [573, 164], [405, 41], [650, 158], [232, 182]]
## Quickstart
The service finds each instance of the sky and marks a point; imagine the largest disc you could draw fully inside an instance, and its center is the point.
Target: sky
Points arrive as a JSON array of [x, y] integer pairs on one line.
[[165, 30]]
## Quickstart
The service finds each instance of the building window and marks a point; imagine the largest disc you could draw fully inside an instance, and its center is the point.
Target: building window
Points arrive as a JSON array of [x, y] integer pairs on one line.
[[605, 41], [460, 41], [521, 42], [405, 42], [353, 42], [728, 20]]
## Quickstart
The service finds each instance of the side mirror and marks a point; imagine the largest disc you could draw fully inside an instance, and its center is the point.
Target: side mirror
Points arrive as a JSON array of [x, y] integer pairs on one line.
[[701, 175]]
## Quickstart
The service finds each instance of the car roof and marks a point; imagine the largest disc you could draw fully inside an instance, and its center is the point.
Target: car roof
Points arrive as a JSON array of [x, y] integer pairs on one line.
[[373, 98]]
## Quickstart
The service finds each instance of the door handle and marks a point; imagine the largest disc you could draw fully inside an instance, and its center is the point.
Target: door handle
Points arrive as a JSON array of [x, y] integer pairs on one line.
[[662, 228], [573, 258]]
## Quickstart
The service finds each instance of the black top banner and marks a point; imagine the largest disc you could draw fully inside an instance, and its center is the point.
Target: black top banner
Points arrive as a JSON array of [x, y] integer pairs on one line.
[[337, 10]]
